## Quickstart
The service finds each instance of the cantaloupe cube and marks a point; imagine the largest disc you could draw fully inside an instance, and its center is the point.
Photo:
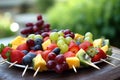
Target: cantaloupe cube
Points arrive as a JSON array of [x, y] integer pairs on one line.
[[73, 61], [46, 43], [78, 36]]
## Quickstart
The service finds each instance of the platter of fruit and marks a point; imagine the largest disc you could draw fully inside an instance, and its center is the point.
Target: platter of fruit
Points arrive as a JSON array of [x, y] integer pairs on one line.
[[41, 49]]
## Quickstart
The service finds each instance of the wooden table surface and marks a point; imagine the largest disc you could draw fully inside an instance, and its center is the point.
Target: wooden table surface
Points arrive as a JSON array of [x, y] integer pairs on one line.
[[107, 72]]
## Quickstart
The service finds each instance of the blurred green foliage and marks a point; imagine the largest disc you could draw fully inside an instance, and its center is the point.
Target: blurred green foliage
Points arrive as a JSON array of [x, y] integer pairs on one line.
[[101, 17], [44, 5], [5, 26]]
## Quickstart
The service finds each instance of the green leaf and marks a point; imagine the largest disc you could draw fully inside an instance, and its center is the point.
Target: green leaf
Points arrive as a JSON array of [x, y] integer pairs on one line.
[[10, 45], [8, 55], [1, 47]]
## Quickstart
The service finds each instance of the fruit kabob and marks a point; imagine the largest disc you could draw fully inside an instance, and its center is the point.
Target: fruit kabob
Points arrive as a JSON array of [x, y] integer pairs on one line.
[[45, 49]]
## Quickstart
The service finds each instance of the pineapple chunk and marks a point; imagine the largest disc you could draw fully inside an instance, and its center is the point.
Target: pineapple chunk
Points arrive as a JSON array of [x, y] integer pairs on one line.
[[46, 43], [78, 36], [105, 48], [73, 61], [38, 61], [97, 43], [17, 41]]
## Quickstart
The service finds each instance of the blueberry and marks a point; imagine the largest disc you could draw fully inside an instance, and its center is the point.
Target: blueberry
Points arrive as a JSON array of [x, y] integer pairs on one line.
[[27, 60], [38, 41], [38, 47], [31, 54], [24, 51], [78, 42], [56, 50]]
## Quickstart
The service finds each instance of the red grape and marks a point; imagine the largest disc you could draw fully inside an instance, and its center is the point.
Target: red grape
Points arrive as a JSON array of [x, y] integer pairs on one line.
[[60, 59], [51, 64], [59, 68], [39, 23], [67, 31], [29, 24], [39, 17], [51, 56], [30, 43], [44, 34]]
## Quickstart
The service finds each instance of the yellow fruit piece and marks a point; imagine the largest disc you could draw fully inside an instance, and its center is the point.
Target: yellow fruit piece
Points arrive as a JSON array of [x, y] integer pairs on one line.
[[97, 43], [17, 41], [105, 48], [38, 61], [73, 61], [46, 43], [77, 36]]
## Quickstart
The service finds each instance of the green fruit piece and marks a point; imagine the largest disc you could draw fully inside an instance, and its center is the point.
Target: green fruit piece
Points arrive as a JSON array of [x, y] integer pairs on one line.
[[60, 33], [31, 36], [88, 39], [38, 36], [1, 47], [106, 42], [61, 38], [54, 36], [92, 52], [89, 34], [68, 39], [109, 52], [63, 48], [83, 57], [60, 43]]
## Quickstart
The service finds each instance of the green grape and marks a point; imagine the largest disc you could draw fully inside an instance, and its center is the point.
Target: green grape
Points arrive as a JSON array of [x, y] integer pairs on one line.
[[68, 39], [89, 34], [38, 36], [61, 38], [54, 36], [60, 33], [88, 39], [31, 36], [60, 43], [64, 48]]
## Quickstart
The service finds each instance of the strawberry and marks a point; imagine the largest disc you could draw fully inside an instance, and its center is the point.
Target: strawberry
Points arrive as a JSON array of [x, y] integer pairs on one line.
[[95, 58], [101, 53], [51, 46], [5, 51], [85, 45], [69, 54], [23, 47], [73, 47], [16, 55]]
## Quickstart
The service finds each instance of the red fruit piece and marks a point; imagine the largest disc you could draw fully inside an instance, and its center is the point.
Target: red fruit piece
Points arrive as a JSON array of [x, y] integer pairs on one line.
[[95, 58], [5, 51], [23, 47], [69, 54], [38, 52], [73, 47], [85, 45], [45, 55], [52, 46], [45, 39], [101, 53], [16, 55]]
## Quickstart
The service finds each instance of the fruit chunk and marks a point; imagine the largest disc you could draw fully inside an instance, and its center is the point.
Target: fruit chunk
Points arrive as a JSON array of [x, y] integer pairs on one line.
[[16, 55], [83, 57], [78, 36], [105, 48], [73, 61], [17, 41], [38, 61], [97, 42], [46, 43], [73, 47]]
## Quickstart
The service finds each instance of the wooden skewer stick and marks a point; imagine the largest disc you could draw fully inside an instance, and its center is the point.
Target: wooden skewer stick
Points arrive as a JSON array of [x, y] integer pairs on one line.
[[113, 57], [36, 71], [3, 61], [108, 62], [93, 65], [12, 64], [74, 68], [24, 71]]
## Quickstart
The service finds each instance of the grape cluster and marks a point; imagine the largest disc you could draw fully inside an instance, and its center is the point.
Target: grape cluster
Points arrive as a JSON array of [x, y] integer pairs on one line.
[[57, 62], [37, 28]]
